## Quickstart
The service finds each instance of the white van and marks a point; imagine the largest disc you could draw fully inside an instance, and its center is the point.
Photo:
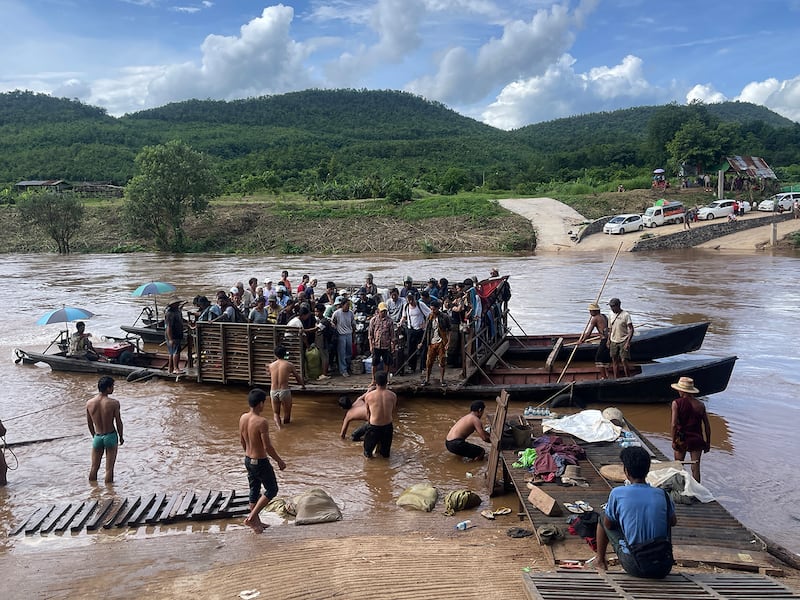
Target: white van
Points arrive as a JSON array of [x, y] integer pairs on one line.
[[668, 212]]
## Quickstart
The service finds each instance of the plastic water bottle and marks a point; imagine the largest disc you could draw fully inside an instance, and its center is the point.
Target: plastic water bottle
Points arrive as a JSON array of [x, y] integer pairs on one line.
[[464, 525]]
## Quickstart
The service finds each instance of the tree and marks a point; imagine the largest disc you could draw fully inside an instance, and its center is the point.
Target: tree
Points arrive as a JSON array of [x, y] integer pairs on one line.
[[696, 144], [59, 215], [172, 179]]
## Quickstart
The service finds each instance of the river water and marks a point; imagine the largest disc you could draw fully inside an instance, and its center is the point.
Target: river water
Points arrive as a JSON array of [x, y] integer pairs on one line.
[[184, 436]]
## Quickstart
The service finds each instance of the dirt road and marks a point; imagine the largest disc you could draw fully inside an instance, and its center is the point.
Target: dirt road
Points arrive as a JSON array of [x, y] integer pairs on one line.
[[553, 221]]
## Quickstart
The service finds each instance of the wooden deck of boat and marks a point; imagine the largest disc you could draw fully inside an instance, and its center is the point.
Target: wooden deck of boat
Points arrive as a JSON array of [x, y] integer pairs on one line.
[[706, 532], [150, 509], [676, 586]]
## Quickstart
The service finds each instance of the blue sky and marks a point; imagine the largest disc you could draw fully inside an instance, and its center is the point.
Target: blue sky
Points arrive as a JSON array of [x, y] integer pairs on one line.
[[504, 62]]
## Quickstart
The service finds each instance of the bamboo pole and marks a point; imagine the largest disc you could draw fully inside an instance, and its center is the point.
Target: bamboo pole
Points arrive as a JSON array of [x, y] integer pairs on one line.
[[597, 301]]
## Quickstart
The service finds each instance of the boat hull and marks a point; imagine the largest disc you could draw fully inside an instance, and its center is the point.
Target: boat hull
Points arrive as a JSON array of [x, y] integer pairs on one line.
[[647, 344], [653, 384], [143, 365], [150, 334]]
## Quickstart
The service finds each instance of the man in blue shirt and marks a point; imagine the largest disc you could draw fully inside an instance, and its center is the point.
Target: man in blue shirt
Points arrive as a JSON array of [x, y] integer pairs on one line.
[[635, 513]]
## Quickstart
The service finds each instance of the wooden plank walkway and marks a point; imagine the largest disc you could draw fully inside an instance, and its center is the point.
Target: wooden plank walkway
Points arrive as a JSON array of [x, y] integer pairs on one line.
[[150, 509], [705, 533], [570, 585]]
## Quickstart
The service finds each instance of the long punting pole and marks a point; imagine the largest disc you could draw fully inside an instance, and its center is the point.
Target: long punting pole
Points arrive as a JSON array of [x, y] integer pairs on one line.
[[597, 301]]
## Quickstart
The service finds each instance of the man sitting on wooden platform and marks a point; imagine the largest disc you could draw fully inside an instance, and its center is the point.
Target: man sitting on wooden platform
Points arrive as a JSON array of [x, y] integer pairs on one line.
[[637, 521]]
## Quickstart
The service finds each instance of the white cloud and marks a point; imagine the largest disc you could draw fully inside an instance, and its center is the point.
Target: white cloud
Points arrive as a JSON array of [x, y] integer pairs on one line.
[[781, 96], [525, 48], [562, 92], [186, 9], [705, 92]]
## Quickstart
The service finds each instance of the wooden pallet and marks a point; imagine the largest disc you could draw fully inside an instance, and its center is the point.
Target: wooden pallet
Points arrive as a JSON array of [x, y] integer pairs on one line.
[[569, 585], [150, 509]]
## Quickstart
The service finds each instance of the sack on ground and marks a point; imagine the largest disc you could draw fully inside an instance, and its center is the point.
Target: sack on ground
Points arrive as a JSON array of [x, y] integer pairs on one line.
[[459, 500], [420, 496], [653, 558], [315, 506]]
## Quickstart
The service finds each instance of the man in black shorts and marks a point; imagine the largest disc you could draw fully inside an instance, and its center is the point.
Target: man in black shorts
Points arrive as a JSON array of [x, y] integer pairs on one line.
[[470, 423]]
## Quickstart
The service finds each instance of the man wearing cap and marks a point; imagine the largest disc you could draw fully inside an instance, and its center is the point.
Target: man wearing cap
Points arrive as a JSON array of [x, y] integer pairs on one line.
[[691, 429], [408, 287], [599, 322], [273, 310], [344, 322], [619, 341], [173, 334], [365, 304], [370, 287], [414, 315], [283, 296], [436, 338], [381, 339]]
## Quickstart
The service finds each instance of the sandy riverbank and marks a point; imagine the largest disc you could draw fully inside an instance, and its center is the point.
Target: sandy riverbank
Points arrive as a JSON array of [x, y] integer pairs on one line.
[[553, 220]]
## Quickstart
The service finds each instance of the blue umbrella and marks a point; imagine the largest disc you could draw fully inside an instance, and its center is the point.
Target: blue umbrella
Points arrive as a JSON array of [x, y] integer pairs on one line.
[[153, 288], [64, 315]]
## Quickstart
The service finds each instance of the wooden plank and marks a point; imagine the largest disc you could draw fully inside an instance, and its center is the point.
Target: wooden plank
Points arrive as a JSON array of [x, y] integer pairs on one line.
[[38, 519], [139, 512], [543, 501], [53, 518], [213, 497], [115, 514], [495, 436], [198, 506], [22, 525], [168, 512], [124, 515], [67, 518], [226, 502], [98, 515], [151, 515], [183, 509], [80, 519]]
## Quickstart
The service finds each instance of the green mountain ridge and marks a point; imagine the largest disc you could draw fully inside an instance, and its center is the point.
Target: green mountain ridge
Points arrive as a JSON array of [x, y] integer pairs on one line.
[[316, 137]]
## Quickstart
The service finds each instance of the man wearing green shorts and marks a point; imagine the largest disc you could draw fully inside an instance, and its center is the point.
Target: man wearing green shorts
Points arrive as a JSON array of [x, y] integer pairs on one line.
[[105, 425]]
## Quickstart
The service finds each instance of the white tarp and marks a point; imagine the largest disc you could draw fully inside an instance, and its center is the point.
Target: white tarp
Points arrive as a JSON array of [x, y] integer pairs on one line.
[[588, 425], [690, 485]]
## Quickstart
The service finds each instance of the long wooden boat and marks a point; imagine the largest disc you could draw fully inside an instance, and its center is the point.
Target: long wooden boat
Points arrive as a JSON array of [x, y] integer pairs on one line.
[[152, 333], [647, 384], [647, 344], [122, 359]]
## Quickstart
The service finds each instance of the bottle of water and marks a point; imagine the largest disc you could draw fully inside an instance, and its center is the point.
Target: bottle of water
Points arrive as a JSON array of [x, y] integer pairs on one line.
[[463, 525]]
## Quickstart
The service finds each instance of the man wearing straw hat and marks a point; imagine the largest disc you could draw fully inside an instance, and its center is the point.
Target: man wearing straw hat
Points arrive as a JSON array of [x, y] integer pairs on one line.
[[691, 430], [173, 333], [599, 322], [621, 333]]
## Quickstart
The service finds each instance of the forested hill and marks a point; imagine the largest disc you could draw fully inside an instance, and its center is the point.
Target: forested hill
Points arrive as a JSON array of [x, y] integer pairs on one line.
[[319, 138]]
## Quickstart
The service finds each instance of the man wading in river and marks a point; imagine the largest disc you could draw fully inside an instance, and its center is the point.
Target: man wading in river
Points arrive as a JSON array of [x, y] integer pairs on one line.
[[105, 425]]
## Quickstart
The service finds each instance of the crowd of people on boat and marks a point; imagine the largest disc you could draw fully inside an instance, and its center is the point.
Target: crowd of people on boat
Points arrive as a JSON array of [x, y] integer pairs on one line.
[[407, 328]]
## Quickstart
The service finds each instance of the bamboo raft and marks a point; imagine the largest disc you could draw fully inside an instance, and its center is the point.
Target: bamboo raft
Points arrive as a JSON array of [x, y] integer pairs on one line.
[[706, 533], [152, 509]]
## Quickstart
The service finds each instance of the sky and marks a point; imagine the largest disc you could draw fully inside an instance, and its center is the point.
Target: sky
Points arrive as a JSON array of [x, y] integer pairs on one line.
[[507, 63]]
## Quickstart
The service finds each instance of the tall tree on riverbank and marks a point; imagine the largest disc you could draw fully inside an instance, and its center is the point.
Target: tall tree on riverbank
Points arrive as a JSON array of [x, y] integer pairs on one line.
[[172, 179], [58, 215]]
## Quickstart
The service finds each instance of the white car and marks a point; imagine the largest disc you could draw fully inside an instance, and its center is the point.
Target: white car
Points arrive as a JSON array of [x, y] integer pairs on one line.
[[623, 224], [785, 200], [719, 208]]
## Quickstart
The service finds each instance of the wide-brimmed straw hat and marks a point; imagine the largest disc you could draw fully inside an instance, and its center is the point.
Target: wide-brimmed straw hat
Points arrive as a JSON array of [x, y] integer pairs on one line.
[[175, 300], [685, 384], [594, 306]]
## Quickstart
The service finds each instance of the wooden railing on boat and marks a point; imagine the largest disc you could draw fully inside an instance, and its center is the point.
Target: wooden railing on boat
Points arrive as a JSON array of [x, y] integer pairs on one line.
[[241, 352]]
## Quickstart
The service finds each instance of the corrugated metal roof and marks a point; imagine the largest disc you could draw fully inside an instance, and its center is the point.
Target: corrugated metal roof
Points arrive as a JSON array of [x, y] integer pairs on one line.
[[42, 182], [754, 166]]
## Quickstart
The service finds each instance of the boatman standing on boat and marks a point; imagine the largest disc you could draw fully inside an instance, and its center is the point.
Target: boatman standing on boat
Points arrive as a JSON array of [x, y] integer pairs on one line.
[[619, 342], [280, 394], [173, 334], [456, 441], [105, 425], [599, 322]]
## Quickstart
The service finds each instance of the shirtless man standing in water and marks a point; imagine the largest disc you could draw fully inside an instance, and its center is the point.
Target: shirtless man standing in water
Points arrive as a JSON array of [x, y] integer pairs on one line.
[[105, 425], [254, 435], [380, 404], [279, 372]]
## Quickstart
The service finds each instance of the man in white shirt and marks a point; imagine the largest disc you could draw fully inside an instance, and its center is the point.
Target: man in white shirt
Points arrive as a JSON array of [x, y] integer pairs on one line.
[[414, 315]]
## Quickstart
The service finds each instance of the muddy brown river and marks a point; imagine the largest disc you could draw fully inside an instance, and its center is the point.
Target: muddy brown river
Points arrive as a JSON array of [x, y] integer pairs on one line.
[[183, 436]]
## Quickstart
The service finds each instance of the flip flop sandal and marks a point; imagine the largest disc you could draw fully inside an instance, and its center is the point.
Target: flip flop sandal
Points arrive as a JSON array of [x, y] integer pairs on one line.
[[583, 506], [573, 508], [503, 510], [487, 514]]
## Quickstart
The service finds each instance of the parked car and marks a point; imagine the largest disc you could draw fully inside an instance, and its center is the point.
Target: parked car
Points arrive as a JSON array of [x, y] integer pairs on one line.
[[623, 224], [719, 208], [785, 201]]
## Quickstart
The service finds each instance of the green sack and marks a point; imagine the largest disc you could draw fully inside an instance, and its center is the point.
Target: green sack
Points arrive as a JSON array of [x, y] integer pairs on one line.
[[459, 500], [420, 496], [313, 363]]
